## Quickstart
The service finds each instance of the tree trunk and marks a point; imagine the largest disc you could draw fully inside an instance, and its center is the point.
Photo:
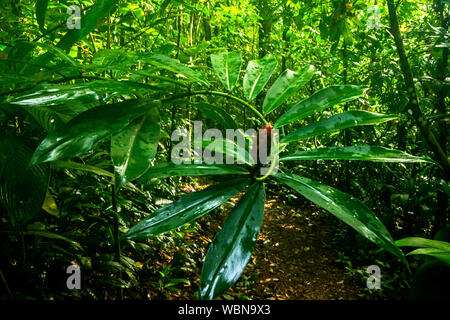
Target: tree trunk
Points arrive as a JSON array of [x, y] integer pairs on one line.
[[413, 105]]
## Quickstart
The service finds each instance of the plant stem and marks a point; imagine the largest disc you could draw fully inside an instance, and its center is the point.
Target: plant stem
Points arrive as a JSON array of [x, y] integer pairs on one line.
[[6, 284]]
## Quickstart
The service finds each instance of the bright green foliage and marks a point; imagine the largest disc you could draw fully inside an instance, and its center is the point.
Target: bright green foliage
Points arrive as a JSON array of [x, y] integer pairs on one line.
[[285, 86], [227, 66], [319, 101], [257, 75], [338, 122], [362, 153]]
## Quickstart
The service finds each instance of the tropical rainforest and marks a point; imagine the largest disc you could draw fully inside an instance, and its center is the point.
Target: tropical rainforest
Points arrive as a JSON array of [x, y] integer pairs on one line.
[[224, 149]]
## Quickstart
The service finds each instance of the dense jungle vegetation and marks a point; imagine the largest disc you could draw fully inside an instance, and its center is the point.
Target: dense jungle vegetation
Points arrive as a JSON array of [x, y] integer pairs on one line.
[[111, 112]]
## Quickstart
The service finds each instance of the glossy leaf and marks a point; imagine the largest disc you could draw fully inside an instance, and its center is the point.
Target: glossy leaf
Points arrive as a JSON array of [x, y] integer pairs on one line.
[[86, 129], [345, 207], [319, 101], [52, 95], [423, 243], [227, 66], [230, 149], [443, 255], [186, 209], [287, 84], [22, 187], [169, 169], [134, 148], [232, 247], [257, 75], [338, 122], [218, 114], [363, 153]]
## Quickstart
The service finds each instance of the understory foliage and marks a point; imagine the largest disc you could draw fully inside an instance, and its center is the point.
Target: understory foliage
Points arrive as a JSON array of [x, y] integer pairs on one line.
[[349, 98]]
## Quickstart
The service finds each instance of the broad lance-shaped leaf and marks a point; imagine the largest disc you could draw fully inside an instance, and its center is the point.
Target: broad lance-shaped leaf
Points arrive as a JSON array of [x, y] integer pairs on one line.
[[338, 122], [287, 84], [217, 114], [345, 207], [86, 129], [52, 95], [169, 169], [227, 66], [22, 187], [423, 243], [433, 252], [257, 75], [319, 101], [232, 247], [363, 153], [230, 149], [41, 9], [186, 209], [433, 248], [133, 148]]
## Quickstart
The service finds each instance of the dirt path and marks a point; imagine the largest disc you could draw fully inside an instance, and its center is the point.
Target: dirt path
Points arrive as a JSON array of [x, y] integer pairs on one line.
[[295, 257]]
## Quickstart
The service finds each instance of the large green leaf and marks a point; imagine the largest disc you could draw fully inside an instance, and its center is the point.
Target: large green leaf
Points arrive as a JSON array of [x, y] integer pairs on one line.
[[338, 122], [287, 84], [257, 75], [41, 9], [230, 149], [133, 148], [423, 243], [319, 101], [50, 95], [165, 62], [22, 187], [54, 105], [345, 207], [227, 66], [170, 169], [186, 209], [217, 114], [83, 131], [443, 255], [89, 21], [363, 153], [232, 247]]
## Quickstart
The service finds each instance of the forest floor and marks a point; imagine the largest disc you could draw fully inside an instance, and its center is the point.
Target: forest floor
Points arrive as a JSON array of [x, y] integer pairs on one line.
[[295, 256]]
